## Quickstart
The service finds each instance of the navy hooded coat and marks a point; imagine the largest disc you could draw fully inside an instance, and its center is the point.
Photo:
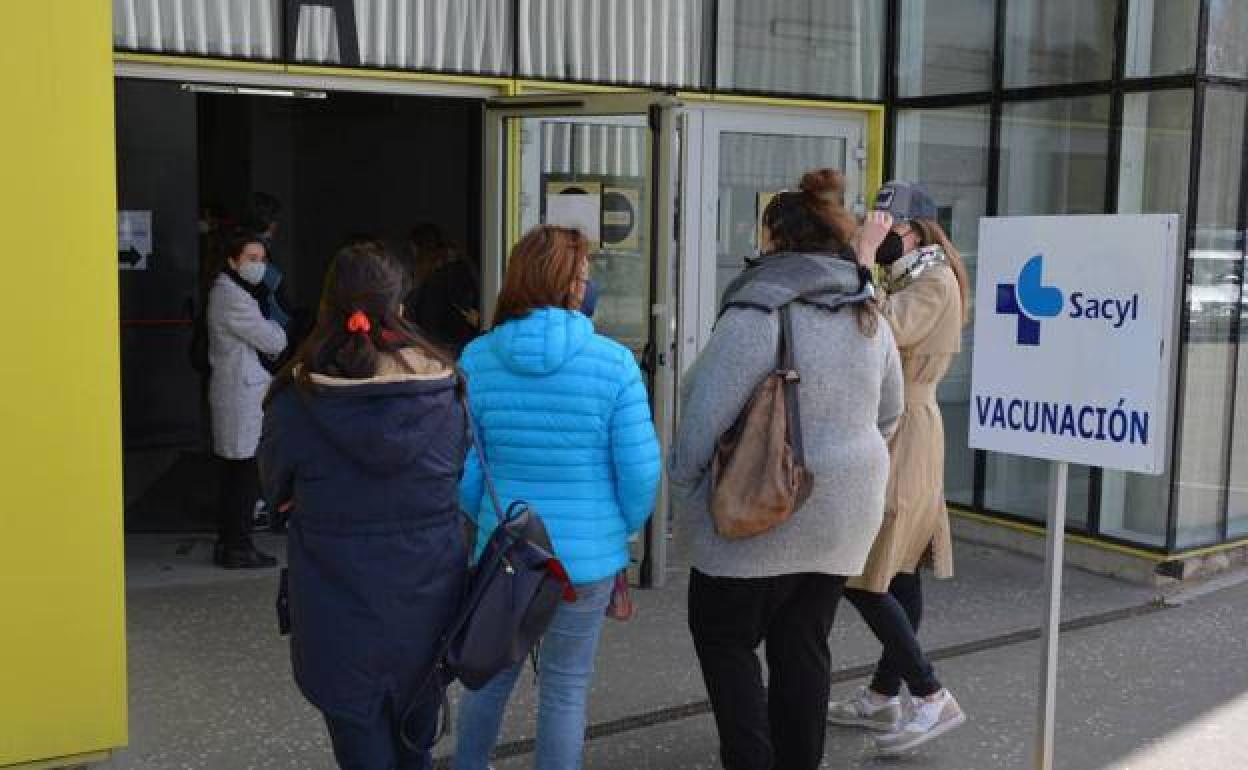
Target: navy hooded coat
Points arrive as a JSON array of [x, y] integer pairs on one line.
[[377, 554]]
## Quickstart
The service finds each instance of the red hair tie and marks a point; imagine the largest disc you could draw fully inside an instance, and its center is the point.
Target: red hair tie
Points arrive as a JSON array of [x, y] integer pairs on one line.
[[358, 323]]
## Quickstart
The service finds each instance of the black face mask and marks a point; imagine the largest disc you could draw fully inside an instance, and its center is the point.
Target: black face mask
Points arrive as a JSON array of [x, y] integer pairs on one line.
[[891, 249]]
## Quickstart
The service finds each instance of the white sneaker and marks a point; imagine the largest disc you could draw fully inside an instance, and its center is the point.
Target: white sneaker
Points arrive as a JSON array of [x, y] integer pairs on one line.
[[864, 711], [928, 720]]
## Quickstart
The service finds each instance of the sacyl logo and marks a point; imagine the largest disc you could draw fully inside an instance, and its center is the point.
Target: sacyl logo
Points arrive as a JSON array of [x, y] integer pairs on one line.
[[1030, 300]]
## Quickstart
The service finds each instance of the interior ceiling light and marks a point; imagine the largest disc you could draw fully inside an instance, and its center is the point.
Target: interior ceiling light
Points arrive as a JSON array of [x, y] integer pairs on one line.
[[285, 93]]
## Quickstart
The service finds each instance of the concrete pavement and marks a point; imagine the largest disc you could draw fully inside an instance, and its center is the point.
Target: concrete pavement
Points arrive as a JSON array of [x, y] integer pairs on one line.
[[210, 682]]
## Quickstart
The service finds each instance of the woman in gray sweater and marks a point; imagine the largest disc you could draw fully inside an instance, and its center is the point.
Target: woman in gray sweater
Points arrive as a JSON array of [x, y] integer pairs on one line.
[[781, 588]]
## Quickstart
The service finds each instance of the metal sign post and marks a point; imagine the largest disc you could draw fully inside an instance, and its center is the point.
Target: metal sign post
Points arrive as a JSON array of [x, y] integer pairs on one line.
[[1055, 538]]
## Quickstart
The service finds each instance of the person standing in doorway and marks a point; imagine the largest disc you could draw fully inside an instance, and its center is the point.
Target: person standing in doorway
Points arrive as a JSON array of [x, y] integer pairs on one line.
[[565, 425], [780, 589], [364, 438], [445, 295], [261, 220], [924, 301], [239, 333]]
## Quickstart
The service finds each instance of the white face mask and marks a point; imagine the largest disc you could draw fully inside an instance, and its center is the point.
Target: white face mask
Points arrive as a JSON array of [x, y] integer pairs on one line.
[[252, 272]]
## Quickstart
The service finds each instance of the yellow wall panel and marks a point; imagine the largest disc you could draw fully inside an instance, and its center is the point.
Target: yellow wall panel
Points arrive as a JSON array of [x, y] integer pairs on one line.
[[62, 629]]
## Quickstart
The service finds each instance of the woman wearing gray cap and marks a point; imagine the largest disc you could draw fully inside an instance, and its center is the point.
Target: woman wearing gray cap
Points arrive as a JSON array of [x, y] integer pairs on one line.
[[924, 298]]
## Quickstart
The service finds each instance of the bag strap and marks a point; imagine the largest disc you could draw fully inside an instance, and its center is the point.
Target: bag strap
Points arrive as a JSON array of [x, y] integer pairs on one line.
[[436, 674], [792, 378], [485, 465]]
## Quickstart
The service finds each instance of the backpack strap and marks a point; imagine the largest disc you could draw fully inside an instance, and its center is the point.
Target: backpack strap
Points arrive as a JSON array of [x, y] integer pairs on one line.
[[503, 514], [436, 675]]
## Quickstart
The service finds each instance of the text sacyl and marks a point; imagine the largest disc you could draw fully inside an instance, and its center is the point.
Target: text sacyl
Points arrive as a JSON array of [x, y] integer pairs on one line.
[[1115, 310]]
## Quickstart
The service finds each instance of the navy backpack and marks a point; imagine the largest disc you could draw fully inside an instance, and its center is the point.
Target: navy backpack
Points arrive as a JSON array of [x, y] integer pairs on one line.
[[513, 592]]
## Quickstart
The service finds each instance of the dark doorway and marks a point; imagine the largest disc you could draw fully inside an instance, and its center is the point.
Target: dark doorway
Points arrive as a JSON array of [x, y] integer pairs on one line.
[[347, 164]]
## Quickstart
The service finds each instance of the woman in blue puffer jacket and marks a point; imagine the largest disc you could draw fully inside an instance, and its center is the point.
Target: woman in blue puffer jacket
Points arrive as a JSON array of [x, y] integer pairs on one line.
[[565, 423]]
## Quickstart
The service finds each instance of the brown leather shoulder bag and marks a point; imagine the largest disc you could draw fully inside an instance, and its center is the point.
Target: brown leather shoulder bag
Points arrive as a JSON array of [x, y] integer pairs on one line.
[[759, 477]]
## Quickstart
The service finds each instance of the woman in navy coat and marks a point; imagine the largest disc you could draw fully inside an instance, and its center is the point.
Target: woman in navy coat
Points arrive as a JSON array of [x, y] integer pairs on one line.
[[364, 439]]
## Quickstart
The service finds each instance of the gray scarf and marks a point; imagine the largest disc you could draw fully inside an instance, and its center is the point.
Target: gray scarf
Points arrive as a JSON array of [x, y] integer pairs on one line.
[[830, 281]]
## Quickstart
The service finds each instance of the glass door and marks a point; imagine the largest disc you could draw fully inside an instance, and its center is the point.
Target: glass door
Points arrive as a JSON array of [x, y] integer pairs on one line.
[[737, 159], [603, 163]]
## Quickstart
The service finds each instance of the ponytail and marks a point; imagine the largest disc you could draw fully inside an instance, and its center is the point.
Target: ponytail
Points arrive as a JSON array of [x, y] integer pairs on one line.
[[358, 321]]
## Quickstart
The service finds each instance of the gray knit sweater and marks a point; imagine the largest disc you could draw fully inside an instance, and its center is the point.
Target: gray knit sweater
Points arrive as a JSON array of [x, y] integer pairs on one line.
[[850, 398]]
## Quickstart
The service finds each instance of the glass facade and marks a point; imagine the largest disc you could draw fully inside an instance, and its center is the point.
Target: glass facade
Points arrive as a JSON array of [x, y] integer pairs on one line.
[[635, 41], [1061, 106], [944, 49], [1228, 28], [949, 150], [1053, 156], [823, 47], [752, 167], [246, 29], [1154, 162], [1150, 51], [1053, 159], [1213, 310], [1091, 113], [1050, 42]]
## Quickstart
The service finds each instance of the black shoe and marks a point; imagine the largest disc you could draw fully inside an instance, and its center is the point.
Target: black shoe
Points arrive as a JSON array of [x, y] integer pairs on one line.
[[246, 558], [218, 553]]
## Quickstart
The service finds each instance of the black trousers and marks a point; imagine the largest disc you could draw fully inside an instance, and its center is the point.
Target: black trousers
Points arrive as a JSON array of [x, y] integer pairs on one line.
[[894, 618], [780, 726], [240, 488]]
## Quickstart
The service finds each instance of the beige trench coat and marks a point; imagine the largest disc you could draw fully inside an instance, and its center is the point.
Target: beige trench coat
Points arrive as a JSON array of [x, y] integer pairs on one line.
[[926, 318]]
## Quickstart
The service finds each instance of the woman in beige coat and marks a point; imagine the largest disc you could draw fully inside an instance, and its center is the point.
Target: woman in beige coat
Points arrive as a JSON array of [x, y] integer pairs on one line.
[[924, 299]]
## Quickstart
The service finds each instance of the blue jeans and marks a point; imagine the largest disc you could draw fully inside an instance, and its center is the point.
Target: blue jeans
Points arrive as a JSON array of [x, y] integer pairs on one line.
[[565, 666]]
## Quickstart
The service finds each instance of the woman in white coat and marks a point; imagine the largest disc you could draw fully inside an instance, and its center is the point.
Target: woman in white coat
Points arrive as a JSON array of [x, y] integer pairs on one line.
[[239, 333]]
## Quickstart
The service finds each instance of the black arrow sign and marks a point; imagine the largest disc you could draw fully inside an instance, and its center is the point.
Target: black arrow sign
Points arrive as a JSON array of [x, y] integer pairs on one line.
[[130, 257]]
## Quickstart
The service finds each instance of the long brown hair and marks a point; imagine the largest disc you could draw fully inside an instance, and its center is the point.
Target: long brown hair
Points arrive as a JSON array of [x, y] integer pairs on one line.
[[814, 220], [930, 233], [363, 279], [541, 272]]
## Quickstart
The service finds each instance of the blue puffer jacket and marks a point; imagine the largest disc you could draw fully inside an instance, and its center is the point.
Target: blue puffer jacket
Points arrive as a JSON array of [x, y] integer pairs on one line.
[[565, 422]]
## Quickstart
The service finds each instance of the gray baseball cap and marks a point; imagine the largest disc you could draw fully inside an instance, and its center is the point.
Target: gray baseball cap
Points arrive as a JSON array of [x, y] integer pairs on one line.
[[905, 201]]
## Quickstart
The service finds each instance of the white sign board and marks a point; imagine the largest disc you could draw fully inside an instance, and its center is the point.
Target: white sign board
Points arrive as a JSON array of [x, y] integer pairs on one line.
[[134, 239], [579, 212], [1074, 334]]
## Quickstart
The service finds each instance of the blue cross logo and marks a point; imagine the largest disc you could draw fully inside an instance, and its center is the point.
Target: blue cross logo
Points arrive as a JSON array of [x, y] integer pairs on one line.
[[1029, 300]]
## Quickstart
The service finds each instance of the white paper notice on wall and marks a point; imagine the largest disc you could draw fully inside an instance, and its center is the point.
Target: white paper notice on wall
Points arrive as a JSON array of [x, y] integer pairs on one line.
[[578, 211], [134, 239], [1075, 329]]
